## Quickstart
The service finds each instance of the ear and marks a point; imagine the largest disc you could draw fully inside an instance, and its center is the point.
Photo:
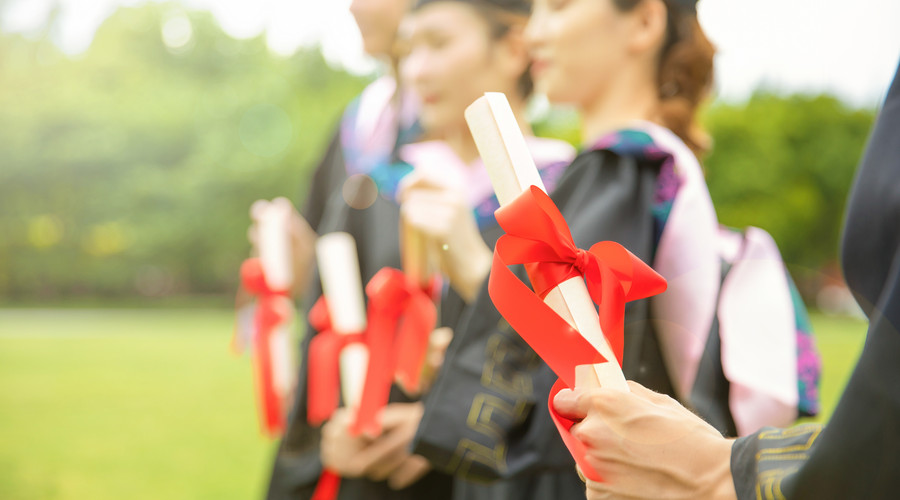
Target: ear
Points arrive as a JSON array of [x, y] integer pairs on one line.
[[513, 50], [649, 20]]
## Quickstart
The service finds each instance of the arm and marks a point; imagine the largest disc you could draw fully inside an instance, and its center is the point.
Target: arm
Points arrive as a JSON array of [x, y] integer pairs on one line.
[[327, 178], [444, 220]]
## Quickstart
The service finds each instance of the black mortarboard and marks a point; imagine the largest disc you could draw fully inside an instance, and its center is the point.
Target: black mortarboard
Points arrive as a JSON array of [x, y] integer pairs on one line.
[[521, 6], [688, 5]]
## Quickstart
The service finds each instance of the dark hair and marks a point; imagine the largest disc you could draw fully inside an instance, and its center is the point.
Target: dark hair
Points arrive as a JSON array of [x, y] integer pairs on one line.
[[520, 6], [685, 73], [500, 20]]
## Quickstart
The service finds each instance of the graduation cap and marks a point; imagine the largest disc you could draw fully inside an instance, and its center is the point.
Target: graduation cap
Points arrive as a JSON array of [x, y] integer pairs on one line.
[[688, 5], [520, 6], [524, 6]]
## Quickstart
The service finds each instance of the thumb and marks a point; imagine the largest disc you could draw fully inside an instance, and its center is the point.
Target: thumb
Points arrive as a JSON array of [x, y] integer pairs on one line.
[[566, 403], [396, 414]]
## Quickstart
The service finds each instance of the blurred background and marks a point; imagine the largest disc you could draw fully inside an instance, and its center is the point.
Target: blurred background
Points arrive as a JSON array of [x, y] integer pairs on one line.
[[134, 135]]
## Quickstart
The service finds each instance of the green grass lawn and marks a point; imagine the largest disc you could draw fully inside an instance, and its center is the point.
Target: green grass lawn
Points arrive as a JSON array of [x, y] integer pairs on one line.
[[840, 341], [126, 404], [151, 404]]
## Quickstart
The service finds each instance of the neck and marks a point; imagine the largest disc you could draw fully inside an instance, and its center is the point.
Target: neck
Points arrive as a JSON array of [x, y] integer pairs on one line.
[[460, 139], [629, 98]]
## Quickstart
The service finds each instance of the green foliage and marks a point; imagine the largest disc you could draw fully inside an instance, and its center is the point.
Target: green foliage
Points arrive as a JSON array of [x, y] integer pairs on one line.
[[786, 164], [128, 170], [131, 168]]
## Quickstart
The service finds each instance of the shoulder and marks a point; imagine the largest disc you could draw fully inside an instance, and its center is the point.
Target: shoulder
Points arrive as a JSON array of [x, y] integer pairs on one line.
[[371, 114], [546, 151], [642, 142]]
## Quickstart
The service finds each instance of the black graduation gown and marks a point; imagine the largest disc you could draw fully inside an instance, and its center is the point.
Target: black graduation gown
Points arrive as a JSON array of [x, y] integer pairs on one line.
[[296, 466], [857, 455], [486, 418]]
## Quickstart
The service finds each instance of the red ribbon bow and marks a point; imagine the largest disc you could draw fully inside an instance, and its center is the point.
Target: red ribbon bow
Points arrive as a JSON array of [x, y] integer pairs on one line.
[[538, 237], [324, 379], [401, 316], [273, 308]]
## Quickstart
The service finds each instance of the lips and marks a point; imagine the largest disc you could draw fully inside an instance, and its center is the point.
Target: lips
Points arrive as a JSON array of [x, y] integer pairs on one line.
[[538, 66]]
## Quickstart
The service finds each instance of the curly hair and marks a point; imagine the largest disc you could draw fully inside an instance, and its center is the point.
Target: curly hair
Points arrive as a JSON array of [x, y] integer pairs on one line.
[[684, 74]]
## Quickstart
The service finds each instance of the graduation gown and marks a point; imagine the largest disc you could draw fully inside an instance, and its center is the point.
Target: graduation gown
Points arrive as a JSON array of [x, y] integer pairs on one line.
[[857, 454], [344, 196], [486, 418], [330, 207], [363, 206]]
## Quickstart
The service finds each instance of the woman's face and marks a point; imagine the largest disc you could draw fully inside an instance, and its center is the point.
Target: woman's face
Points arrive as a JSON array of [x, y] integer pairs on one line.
[[449, 60], [378, 21], [577, 47]]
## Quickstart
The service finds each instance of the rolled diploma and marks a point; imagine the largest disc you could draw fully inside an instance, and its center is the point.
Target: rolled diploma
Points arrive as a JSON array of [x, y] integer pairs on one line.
[[274, 244], [342, 286], [282, 362], [511, 169], [417, 255]]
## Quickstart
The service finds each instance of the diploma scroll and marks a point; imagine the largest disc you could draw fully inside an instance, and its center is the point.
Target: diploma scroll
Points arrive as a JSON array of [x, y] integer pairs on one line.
[[263, 326], [274, 247], [512, 171], [418, 257], [274, 244], [343, 291]]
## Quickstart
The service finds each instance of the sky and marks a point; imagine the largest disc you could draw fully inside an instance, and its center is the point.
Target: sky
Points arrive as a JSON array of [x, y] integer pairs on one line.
[[848, 48]]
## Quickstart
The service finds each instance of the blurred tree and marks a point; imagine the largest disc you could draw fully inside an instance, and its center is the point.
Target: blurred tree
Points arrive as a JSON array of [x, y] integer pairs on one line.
[[131, 167], [786, 164]]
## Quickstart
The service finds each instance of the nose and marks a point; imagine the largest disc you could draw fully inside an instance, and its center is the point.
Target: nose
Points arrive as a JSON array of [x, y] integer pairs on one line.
[[413, 67], [534, 29]]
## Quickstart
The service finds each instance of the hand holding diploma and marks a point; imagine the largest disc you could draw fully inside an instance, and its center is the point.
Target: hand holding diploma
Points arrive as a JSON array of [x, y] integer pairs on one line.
[[338, 357], [557, 318], [264, 325], [373, 345], [440, 216], [646, 445], [437, 231], [299, 238], [383, 458]]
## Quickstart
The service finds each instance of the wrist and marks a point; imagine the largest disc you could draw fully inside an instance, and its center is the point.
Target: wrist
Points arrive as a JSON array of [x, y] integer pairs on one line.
[[722, 481], [472, 267]]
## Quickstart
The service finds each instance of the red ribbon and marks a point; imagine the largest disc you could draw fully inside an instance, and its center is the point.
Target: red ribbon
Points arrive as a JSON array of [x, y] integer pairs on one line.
[[401, 316], [324, 375], [324, 383], [401, 319], [538, 237], [328, 486], [273, 308]]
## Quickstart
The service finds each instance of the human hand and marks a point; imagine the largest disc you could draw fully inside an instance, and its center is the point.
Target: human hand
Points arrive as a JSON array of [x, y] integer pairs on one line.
[[646, 445], [386, 457], [301, 237], [339, 449], [442, 216]]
